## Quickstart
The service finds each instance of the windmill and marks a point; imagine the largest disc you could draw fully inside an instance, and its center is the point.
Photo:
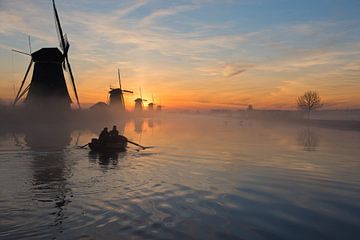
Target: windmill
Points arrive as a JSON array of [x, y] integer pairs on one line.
[[151, 105], [139, 106], [116, 95], [159, 107], [47, 89]]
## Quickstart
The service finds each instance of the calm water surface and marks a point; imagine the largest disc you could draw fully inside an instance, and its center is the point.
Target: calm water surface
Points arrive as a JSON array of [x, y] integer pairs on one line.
[[206, 178]]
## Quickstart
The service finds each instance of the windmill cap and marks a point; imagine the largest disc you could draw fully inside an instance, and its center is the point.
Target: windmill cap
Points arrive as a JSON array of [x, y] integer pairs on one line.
[[115, 91], [48, 55]]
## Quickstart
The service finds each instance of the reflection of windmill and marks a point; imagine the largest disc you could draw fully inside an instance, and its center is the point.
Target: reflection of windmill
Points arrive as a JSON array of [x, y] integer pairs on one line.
[[116, 96], [48, 86], [139, 127], [151, 105], [51, 168], [139, 103]]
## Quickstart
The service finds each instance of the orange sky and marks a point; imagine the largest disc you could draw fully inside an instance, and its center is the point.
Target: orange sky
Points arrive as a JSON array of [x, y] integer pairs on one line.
[[191, 54]]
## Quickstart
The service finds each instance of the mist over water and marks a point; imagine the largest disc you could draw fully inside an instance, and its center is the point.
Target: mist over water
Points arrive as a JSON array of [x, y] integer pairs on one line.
[[208, 177]]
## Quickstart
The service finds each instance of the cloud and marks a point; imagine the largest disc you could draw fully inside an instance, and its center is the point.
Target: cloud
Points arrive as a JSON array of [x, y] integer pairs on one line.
[[165, 12], [231, 70], [310, 59], [224, 69]]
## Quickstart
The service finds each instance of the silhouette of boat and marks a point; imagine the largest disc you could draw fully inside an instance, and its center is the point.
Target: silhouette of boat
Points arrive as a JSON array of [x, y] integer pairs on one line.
[[115, 144]]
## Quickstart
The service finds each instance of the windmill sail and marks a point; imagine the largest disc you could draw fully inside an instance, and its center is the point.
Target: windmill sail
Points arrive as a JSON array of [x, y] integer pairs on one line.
[[58, 28], [119, 78], [19, 94], [64, 44]]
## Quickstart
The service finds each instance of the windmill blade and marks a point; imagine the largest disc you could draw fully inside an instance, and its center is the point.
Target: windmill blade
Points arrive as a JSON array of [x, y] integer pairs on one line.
[[59, 29], [22, 83], [64, 66], [64, 44], [24, 92], [72, 80], [14, 50], [29, 44], [119, 78], [140, 93], [144, 100], [67, 44], [127, 91]]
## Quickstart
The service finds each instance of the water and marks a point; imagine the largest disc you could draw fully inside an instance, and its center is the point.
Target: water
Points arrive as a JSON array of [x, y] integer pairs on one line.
[[206, 178]]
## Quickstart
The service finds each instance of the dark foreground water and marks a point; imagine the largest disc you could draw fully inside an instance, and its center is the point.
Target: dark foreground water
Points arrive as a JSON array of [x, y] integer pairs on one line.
[[207, 178]]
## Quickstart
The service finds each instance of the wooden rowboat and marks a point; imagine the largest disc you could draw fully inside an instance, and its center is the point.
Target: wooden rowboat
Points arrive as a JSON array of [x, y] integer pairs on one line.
[[114, 144]]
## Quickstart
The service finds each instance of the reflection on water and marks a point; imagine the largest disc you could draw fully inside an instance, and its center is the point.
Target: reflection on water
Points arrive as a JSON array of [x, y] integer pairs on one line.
[[106, 159], [50, 170], [309, 139], [207, 178], [139, 125], [150, 123]]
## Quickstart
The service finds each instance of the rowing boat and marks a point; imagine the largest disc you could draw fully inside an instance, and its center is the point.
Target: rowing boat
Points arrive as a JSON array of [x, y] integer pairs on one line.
[[113, 144]]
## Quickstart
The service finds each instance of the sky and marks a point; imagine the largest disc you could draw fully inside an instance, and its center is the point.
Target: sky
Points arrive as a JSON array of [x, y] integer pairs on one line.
[[198, 54]]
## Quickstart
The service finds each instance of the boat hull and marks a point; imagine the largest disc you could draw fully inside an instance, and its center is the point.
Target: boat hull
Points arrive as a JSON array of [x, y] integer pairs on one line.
[[113, 146]]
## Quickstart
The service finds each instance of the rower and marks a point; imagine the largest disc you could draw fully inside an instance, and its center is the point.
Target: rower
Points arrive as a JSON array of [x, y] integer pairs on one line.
[[114, 132], [104, 135]]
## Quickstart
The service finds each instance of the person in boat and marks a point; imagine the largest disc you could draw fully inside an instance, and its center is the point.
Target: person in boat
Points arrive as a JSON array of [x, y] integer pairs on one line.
[[104, 135], [114, 132]]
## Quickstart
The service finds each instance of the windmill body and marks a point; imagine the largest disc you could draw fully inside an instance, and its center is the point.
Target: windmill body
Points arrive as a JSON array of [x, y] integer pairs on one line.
[[151, 107], [116, 99], [159, 108], [139, 105], [48, 85]]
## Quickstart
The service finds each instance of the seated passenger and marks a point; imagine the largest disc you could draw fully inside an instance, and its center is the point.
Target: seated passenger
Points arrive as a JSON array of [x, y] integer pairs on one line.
[[114, 132], [104, 135]]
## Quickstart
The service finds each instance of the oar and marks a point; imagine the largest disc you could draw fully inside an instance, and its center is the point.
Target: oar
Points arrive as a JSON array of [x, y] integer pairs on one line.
[[83, 146], [137, 145]]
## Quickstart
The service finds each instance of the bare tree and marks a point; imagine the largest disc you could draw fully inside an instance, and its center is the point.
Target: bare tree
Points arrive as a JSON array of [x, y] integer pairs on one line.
[[309, 101]]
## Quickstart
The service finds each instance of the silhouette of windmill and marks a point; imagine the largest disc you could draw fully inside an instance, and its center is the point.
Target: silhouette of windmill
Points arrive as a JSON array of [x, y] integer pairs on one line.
[[47, 89], [116, 96], [151, 105], [139, 106], [159, 108]]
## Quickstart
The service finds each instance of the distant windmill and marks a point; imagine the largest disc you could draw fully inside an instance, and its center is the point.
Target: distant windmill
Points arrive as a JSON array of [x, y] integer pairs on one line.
[[139, 106], [151, 105], [47, 89], [159, 107], [116, 96]]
